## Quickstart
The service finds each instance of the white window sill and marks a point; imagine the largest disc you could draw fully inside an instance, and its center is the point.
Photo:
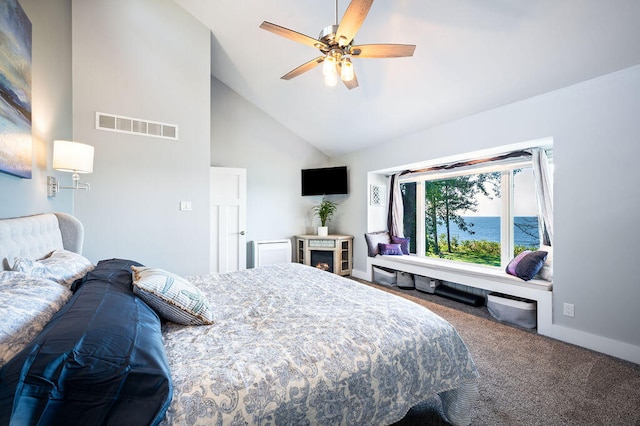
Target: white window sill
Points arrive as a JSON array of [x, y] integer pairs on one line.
[[480, 276]]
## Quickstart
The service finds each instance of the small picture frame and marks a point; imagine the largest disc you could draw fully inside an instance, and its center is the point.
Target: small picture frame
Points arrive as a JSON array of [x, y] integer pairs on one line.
[[378, 196]]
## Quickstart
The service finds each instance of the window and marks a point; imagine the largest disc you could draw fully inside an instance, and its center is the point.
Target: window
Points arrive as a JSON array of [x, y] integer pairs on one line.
[[483, 215]]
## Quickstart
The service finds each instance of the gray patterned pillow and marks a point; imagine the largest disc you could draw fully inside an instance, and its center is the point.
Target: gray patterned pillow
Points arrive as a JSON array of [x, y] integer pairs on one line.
[[173, 297], [61, 266]]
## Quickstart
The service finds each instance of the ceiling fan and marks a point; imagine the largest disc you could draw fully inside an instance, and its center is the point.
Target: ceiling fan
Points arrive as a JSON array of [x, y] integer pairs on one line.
[[335, 42]]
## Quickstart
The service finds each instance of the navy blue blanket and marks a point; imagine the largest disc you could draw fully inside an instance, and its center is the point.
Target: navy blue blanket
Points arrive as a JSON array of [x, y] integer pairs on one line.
[[100, 360]]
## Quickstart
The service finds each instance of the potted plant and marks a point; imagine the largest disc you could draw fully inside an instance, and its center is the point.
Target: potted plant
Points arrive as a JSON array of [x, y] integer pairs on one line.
[[325, 211]]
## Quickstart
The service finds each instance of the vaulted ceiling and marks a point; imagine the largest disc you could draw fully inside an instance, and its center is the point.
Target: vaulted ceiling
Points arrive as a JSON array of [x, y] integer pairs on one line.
[[471, 56]]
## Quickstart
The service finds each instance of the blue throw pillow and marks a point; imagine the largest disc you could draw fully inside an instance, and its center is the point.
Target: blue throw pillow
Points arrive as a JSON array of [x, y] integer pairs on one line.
[[404, 243], [530, 264], [100, 360], [389, 249]]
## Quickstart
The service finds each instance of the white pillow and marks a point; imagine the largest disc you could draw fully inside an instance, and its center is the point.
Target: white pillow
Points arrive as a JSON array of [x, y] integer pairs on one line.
[[173, 297], [546, 272], [61, 266]]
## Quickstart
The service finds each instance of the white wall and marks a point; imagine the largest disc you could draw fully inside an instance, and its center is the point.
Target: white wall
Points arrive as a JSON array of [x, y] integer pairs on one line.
[[596, 133], [243, 136], [147, 59], [50, 108]]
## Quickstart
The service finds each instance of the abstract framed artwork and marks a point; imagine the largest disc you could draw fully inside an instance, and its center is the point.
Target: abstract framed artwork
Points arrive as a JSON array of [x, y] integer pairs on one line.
[[15, 90]]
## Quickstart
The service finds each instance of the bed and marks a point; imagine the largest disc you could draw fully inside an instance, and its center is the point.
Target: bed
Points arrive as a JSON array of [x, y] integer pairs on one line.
[[284, 344]]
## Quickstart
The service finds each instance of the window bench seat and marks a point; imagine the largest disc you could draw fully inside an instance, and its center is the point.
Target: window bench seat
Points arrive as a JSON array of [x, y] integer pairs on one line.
[[483, 277]]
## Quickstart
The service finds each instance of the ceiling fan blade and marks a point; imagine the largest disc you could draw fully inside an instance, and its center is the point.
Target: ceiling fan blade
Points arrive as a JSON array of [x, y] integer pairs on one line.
[[352, 84], [382, 50], [303, 68], [352, 20], [293, 35]]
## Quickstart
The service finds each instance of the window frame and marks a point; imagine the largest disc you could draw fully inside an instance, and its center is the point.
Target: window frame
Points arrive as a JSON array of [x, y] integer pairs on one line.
[[507, 245]]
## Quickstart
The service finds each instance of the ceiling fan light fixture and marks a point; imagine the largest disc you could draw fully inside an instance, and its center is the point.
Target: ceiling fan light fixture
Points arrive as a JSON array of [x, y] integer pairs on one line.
[[346, 70], [336, 45], [331, 79], [329, 66]]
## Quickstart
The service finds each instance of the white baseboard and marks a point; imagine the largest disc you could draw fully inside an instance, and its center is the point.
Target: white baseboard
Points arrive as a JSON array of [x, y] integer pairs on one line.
[[597, 343], [360, 274], [580, 338]]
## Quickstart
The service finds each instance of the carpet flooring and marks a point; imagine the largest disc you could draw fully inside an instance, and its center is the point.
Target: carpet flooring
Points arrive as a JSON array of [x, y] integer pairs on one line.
[[528, 379]]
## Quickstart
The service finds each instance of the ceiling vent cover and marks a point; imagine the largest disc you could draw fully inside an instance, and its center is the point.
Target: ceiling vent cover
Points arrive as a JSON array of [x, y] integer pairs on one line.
[[135, 126]]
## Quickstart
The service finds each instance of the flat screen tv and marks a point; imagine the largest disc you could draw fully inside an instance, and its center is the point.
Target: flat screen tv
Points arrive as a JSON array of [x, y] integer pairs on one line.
[[325, 181]]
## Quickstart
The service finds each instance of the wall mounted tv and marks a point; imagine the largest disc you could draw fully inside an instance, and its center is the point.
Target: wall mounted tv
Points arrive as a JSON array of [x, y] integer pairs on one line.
[[325, 181]]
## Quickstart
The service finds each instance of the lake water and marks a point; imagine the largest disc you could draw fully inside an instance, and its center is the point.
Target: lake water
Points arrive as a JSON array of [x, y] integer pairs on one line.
[[488, 228]]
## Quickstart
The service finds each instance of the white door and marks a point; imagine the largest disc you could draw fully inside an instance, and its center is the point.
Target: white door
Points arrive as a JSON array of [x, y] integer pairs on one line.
[[228, 219]]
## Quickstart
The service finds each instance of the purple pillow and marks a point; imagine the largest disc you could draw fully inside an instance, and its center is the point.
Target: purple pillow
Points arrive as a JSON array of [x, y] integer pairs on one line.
[[404, 243], [511, 267], [389, 249], [531, 264]]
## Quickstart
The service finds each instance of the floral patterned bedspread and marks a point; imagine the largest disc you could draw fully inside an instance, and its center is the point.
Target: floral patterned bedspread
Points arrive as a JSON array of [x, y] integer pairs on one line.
[[26, 306], [294, 345]]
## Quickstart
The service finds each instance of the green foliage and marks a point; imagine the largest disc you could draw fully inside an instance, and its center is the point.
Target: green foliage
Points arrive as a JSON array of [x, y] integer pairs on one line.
[[325, 211], [446, 203], [482, 252], [471, 251], [446, 200], [519, 249]]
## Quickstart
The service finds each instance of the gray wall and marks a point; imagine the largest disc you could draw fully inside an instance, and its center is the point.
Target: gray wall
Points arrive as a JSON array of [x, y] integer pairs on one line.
[[51, 110], [138, 182], [146, 59], [245, 137], [596, 130]]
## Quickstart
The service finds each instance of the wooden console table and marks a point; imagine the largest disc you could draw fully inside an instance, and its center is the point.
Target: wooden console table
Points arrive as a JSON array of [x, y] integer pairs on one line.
[[332, 253]]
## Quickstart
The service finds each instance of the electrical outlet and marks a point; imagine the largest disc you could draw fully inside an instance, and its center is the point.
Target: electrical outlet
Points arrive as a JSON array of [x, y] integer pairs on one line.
[[568, 309], [185, 206]]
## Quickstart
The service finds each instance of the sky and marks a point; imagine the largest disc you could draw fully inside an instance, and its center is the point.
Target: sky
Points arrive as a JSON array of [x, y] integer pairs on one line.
[[525, 203]]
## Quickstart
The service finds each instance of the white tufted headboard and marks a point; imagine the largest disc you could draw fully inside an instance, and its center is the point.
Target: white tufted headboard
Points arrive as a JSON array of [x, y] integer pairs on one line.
[[36, 236]]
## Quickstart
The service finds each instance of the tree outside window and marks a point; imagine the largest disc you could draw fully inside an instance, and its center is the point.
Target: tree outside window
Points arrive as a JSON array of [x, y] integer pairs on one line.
[[463, 216]]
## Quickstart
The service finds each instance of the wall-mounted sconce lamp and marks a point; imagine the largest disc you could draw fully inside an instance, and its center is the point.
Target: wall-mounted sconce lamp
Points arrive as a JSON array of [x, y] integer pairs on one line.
[[71, 157]]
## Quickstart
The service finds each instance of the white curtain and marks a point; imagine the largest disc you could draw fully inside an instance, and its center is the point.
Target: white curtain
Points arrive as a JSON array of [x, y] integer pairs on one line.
[[544, 193], [395, 218]]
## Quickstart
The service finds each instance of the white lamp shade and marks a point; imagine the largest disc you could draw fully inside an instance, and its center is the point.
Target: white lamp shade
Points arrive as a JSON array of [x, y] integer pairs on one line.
[[331, 79], [346, 73], [71, 156], [329, 66]]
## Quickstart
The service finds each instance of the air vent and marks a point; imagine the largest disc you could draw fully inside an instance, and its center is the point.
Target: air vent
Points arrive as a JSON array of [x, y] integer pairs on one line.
[[135, 126]]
